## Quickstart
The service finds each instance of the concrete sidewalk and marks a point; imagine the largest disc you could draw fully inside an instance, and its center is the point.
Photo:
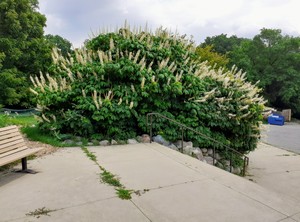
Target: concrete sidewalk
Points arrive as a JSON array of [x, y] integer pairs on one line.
[[286, 136], [179, 188], [276, 169]]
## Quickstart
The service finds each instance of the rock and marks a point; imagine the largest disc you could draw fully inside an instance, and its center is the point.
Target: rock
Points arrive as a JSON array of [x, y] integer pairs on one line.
[[197, 153], [113, 142], [204, 160], [90, 144], [210, 160], [159, 139], [227, 163], [210, 152], [79, 143], [132, 141], [227, 168], [173, 147], [145, 138], [188, 150], [236, 170], [178, 144], [189, 144], [220, 165], [69, 142], [204, 150], [139, 139], [185, 144], [104, 143], [218, 156]]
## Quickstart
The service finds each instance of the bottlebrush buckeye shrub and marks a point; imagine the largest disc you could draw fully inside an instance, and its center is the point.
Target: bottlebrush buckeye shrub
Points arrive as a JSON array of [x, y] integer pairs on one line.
[[108, 87]]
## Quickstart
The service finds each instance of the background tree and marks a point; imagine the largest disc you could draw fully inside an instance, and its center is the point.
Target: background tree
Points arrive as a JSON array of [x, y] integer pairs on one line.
[[59, 42], [24, 50], [11, 86], [221, 43], [2, 56], [272, 59], [212, 58]]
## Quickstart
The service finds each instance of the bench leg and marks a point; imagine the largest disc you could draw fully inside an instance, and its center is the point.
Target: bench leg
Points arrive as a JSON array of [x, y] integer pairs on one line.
[[24, 164], [24, 167]]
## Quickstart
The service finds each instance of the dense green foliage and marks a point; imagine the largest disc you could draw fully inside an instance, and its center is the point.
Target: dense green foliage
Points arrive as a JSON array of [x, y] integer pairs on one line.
[[221, 43], [12, 86], [212, 58], [272, 59], [59, 42], [34, 133], [110, 86], [23, 50]]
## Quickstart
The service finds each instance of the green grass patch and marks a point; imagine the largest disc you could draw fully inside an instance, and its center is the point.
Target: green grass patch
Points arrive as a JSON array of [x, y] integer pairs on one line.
[[110, 179], [124, 194], [7, 120], [35, 134], [29, 126]]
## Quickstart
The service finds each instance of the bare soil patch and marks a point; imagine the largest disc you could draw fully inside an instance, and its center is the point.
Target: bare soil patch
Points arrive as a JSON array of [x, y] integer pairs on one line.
[[48, 149]]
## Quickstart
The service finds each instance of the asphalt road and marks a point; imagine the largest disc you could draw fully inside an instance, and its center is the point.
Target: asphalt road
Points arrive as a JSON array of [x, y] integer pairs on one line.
[[286, 136]]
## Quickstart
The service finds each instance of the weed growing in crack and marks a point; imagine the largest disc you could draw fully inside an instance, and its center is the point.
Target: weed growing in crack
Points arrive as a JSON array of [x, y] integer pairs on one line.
[[110, 179], [140, 192], [89, 154], [124, 194], [39, 212]]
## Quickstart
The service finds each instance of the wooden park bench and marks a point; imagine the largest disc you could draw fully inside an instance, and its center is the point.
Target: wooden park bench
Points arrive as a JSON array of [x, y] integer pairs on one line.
[[13, 147]]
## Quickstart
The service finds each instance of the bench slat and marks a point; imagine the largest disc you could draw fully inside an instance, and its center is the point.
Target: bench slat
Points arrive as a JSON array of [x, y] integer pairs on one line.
[[19, 155], [12, 145], [16, 146], [5, 141], [13, 151], [11, 141], [8, 128], [10, 135], [9, 131]]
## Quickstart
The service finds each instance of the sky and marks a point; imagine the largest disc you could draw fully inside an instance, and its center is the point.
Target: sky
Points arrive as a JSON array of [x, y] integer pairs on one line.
[[78, 20]]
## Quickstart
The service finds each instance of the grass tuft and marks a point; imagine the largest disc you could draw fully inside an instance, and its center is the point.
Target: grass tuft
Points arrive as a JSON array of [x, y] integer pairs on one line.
[[89, 154], [124, 194], [110, 179]]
